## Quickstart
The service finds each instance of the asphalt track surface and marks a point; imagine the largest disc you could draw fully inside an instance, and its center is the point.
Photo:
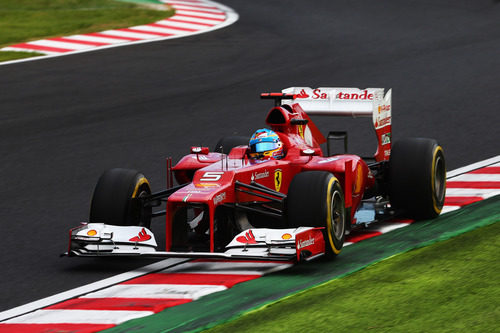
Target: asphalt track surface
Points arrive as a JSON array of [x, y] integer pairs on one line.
[[65, 120]]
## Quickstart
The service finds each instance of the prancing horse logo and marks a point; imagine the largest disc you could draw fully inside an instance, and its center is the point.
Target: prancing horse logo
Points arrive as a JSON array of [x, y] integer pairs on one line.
[[278, 175]]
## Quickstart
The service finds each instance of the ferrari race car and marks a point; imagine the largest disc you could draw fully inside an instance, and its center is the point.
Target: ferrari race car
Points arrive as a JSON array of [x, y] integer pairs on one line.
[[232, 203]]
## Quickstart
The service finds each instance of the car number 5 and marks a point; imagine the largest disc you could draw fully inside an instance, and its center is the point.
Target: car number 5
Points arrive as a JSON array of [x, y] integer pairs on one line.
[[211, 176]]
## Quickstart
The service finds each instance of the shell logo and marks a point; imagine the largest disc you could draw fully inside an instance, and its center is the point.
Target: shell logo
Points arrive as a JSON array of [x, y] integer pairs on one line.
[[91, 232], [286, 236]]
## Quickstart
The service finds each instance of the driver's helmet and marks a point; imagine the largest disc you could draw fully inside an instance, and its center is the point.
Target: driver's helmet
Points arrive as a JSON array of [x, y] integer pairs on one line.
[[266, 145]]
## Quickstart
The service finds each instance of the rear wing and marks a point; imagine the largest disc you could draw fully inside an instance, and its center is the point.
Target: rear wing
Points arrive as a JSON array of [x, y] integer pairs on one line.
[[350, 102]]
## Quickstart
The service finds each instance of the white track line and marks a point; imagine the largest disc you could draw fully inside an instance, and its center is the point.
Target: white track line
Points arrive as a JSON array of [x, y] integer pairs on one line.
[[161, 30], [473, 166], [215, 16], [192, 5], [387, 227], [196, 19], [186, 25], [78, 317], [449, 208], [477, 177], [472, 192], [205, 9]]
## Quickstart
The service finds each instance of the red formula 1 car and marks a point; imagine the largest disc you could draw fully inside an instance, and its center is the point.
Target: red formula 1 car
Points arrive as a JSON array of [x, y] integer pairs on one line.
[[244, 201]]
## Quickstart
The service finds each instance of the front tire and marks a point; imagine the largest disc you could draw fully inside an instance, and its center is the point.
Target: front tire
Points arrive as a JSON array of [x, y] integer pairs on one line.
[[316, 199], [117, 199], [417, 178]]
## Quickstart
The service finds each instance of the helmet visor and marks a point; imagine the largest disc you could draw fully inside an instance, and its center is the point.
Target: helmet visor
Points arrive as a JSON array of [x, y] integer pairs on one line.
[[260, 147]]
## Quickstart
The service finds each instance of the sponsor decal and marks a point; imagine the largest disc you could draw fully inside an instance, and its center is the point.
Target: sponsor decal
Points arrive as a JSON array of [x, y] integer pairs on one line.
[[382, 122], [329, 159], [383, 117], [278, 176], [259, 175], [91, 232], [249, 238], [304, 243], [286, 236], [386, 138], [207, 185], [387, 153], [302, 94], [301, 131], [261, 135], [141, 237], [383, 108], [219, 198], [316, 94], [186, 198], [364, 95]]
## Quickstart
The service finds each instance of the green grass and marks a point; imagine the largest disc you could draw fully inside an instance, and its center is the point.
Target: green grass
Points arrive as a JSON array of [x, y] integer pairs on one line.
[[8, 55], [450, 286], [25, 20]]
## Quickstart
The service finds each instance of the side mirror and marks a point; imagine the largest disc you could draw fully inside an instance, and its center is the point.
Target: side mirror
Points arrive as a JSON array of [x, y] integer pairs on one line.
[[200, 150], [307, 152]]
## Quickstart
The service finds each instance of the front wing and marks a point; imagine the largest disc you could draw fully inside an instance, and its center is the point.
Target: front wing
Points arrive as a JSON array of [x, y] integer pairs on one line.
[[294, 244]]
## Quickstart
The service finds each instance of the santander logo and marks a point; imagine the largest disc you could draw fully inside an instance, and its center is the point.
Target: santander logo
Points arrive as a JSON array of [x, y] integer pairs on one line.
[[364, 95], [302, 94], [316, 94], [142, 237], [304, 243]]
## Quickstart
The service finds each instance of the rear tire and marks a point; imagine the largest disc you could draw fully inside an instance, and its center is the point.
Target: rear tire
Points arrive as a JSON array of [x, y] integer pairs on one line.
[[316, 199], [117, 199], [417, 178], [225, 144]]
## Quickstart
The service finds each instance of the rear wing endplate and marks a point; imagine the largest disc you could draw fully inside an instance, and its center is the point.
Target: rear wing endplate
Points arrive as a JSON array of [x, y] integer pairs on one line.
[[350, 102]]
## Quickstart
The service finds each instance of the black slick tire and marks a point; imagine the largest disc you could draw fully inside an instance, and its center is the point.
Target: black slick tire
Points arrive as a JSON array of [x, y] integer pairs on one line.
[[316, 199], [417, 178], [117, 199]]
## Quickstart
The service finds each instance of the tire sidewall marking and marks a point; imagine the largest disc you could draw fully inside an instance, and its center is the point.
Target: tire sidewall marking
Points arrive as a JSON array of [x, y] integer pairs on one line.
[[329, 215], [433, 179], [141, 181]]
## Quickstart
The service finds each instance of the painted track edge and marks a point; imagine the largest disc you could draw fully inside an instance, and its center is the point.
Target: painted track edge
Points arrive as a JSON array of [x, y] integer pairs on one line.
[[231, 16], [72, 293]]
